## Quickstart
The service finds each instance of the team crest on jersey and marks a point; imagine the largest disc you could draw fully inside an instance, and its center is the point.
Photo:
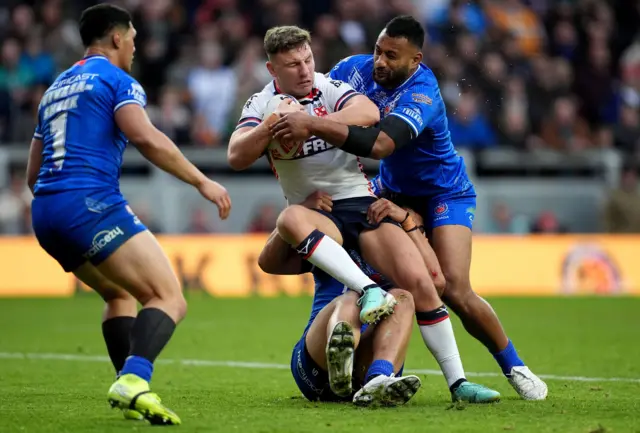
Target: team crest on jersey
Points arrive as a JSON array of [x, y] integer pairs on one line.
[[389, 108], [320, 111], [441, 209]]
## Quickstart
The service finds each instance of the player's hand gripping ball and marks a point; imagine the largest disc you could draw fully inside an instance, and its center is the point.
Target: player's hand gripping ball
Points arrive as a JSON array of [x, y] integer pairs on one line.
[[280, 105]]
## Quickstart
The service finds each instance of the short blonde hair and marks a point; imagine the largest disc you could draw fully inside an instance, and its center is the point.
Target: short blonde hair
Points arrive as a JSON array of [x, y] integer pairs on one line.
[[285, 38]]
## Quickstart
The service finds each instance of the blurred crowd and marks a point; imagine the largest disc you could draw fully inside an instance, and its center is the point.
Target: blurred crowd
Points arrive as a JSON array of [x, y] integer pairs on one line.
[[562, 74]]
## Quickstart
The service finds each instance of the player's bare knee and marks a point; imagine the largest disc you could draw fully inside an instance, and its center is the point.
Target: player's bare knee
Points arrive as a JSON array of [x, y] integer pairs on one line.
[[264, 263], [404, 298], [421, 287], [440, 282], [457, 296], [175, 302], [180, 307], [174, 305], [456, 284], [351, 296], [290, 221], [348, 299]]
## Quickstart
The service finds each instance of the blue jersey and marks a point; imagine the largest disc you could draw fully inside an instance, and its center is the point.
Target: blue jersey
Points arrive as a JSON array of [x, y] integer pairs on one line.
[[83, 146], [78, 213], [429, 165]]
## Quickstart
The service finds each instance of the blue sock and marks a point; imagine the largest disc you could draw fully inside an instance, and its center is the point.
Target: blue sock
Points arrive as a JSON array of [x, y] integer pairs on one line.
[[139, 366], [508, 358], [377, 368]]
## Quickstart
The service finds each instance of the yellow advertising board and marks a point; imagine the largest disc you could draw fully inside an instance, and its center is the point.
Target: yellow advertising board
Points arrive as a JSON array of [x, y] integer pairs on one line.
[[226, 265]]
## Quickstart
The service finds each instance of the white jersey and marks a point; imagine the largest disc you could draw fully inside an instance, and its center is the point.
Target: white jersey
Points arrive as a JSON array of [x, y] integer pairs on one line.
[[319, 166]]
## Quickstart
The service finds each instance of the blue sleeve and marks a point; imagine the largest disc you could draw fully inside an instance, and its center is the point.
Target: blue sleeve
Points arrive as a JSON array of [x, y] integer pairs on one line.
[[342, 69], [128, 91], [37, 134], [417, 106]]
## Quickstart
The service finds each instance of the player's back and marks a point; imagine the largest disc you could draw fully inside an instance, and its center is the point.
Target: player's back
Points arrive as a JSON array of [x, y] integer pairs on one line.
[[82, 145], [429, 165]]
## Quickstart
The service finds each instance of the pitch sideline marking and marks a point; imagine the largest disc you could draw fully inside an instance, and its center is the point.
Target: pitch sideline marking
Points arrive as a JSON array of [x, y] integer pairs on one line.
[[270, 366]]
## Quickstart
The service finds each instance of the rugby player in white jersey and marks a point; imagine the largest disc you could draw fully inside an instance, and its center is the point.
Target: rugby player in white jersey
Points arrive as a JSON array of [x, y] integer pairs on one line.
[[318, 235], [316, 165]]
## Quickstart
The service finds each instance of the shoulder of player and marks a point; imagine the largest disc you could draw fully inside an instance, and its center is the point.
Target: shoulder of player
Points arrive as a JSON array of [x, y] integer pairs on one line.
[[357, 63], [357, 60], [114, 77], [424, 89], [324, 83], [258, 101], [425, 78]]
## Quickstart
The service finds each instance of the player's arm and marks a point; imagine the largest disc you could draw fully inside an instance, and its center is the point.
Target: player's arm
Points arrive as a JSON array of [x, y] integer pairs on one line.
[[347, 106], [156, 147], [129, 100], [252, 135], [358, 110], [410, 221], [35, 162], [395, 131], [248, 143], [374, 142]]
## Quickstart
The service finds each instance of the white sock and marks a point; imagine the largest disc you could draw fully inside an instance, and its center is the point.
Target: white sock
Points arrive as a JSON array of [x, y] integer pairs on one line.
[[328, 255], [437, 333]]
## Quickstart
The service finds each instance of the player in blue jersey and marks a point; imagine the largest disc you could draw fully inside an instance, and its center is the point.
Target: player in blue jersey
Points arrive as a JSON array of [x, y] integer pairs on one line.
[[337, 358], [81, 218], [278, 258], [419, 169], [319, 235]]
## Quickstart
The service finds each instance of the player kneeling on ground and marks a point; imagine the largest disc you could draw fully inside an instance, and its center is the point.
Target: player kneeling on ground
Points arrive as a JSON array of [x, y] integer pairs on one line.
[[337, 355], [278, 258]]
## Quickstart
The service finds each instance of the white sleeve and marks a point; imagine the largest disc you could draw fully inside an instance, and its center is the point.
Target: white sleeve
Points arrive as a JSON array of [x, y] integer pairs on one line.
[[252, 112], [336, 92]]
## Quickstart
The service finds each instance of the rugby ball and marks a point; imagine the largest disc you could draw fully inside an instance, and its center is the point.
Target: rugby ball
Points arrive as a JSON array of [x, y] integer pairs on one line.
[[277, 150]]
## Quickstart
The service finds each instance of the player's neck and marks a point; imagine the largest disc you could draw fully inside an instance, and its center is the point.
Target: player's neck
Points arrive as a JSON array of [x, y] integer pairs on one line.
[[98, 51]]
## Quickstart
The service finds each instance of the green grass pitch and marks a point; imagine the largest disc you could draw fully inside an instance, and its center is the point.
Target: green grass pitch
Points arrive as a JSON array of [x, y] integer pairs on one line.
[[54, 375]]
